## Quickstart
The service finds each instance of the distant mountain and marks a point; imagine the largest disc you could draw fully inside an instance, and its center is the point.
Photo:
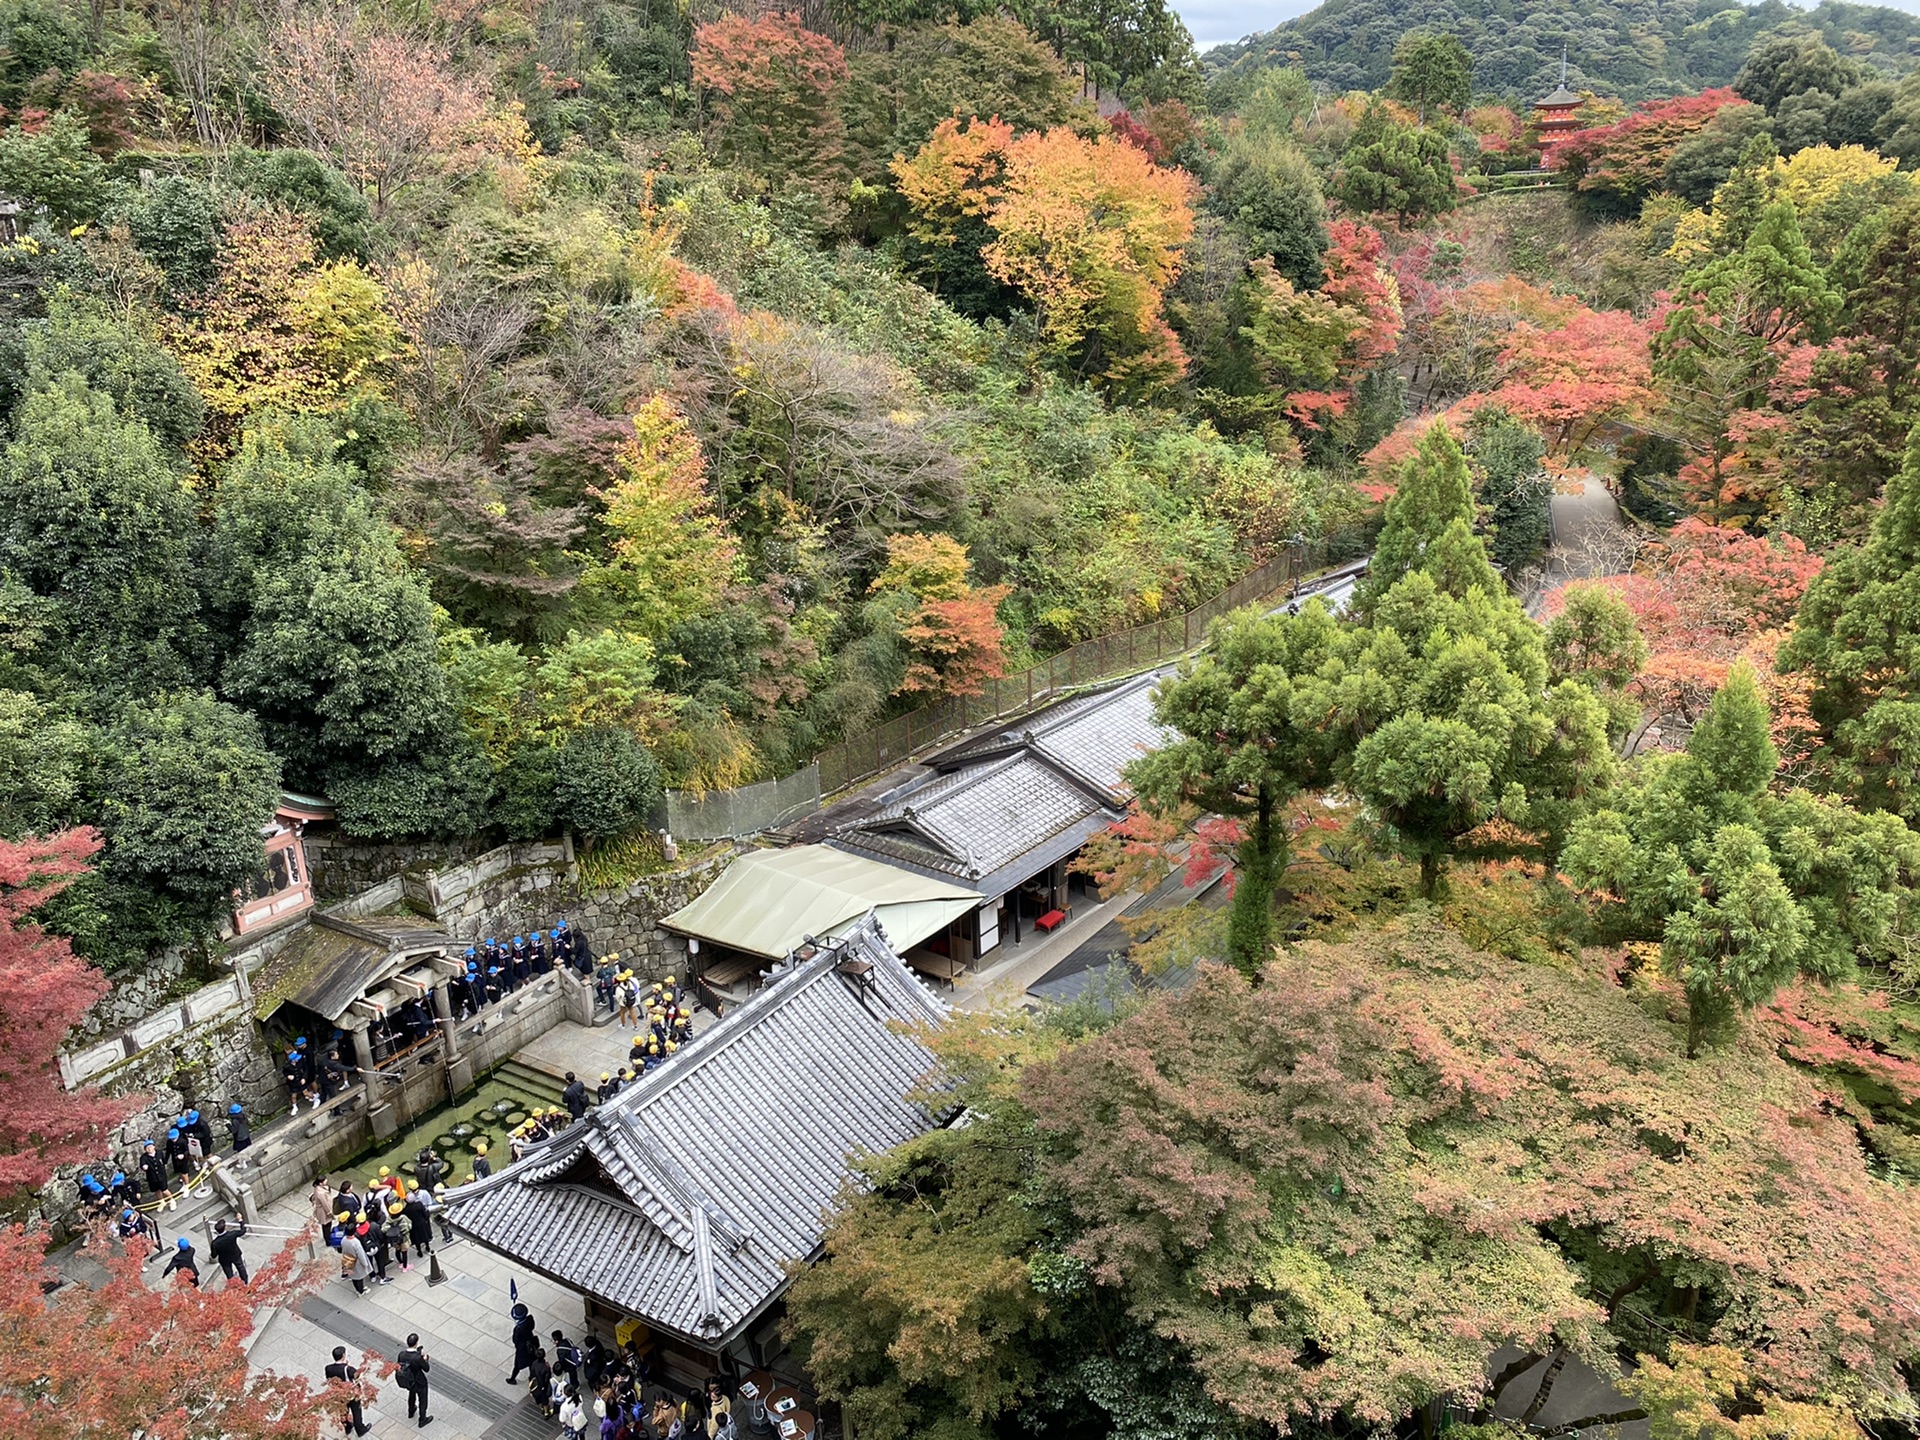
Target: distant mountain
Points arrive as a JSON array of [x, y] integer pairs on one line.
[[1634, 49]]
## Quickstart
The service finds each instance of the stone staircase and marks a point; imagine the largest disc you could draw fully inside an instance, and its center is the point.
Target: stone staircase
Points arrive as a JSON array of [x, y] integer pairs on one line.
[[532, 1076]]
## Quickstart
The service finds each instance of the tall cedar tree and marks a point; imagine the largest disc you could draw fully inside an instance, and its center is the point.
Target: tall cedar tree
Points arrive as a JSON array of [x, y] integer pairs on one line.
[[1256, 715], [1744, 889], [1857, 640]]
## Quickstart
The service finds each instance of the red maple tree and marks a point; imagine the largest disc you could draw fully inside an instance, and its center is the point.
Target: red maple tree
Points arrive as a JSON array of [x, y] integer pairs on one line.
[[1629, 157], [44, 992], [772, 83], [106, 1361]]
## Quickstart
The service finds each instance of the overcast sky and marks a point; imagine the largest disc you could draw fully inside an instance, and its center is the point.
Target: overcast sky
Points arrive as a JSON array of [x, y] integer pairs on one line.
[[1216, 22]]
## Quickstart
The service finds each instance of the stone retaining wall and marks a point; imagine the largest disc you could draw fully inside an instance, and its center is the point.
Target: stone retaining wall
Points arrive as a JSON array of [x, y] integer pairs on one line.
[[341, 865]]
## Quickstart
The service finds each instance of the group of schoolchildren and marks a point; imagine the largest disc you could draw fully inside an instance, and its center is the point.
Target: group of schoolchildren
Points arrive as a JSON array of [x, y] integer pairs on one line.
[[669, 1016], [496, 970], [390, 1224], [165, 1171], [598, 1393]]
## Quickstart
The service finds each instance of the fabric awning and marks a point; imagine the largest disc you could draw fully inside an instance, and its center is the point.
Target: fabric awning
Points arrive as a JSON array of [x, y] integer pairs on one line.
[[768, 901]]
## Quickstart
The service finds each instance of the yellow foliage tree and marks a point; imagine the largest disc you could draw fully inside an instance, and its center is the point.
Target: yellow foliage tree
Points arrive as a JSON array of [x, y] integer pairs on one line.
[[280, 329], [1090, 231], [663, 553]]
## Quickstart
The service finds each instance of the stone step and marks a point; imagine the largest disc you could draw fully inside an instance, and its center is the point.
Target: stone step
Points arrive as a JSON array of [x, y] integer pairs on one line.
[[533, 1076]]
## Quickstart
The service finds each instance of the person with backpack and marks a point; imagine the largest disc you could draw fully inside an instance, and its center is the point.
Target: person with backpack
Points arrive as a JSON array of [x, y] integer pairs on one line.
[[398, 1233], [411, 1369]]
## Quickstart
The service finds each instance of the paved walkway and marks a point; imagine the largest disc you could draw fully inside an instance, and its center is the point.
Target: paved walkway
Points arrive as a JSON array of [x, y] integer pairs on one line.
[[1016, 966], [1589, 539], [463, 1325]]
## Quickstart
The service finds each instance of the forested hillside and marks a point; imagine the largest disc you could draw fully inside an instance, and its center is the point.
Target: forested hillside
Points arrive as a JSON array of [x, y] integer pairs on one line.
[[485, 416], [1632, 50]]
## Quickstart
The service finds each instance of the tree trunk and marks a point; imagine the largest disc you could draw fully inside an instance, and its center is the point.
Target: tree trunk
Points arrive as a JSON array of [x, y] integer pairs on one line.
[[1429, 876], [1250, 922], [1547, 1381]]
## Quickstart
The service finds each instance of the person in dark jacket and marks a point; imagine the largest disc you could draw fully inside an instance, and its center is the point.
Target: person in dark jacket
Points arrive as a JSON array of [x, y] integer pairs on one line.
[[226, 1249], [526, 1340], [574, 1097], [183, 1261], [412, 1367], [242, 1131], [153, 1168], [420, 1222], [348, 1377]]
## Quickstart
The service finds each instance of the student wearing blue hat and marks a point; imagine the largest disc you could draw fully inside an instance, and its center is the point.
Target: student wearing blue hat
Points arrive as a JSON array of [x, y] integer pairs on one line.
[[183, 1261], [237, 1123]]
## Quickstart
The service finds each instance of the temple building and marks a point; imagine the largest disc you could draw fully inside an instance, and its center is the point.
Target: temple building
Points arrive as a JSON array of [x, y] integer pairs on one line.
[[1554, 113]]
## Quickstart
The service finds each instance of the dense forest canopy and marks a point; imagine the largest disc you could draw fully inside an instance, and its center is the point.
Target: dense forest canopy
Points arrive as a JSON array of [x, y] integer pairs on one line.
[[490, 417], [1632, 50]]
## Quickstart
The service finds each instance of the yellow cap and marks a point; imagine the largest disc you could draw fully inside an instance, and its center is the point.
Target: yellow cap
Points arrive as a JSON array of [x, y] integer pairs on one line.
[[395, 1208], [480, 1148], [384, 1172], [342, 1217], [605, 1076], [672, 1046]]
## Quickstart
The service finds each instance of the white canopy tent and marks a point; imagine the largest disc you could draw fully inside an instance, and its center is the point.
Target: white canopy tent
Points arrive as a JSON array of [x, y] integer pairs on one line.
[[769, 901]]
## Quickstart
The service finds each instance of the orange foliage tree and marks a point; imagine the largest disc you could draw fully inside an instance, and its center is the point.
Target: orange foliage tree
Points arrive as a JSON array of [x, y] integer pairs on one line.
[[1569, 380], [950, 626], [386, 107], [1088, 231], [773, 83]]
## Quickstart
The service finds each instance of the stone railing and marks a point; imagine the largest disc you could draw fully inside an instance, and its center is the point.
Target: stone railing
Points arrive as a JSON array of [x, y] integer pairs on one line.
[[207, 1005]]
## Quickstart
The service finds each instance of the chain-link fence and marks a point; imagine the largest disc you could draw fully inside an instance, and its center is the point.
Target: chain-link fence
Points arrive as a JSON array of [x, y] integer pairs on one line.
[[1120, 653], [725, 814]]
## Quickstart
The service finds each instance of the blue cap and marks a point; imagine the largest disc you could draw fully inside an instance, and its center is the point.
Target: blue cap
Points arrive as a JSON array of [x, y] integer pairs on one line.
[[301, 1043], [193, 1115], [127, 1214], [173, 1134], [233, 1109], [146, 1145], [469, 952], [183, 1243], [519, 939], [473, 965], [119, 1177], [556, 932]]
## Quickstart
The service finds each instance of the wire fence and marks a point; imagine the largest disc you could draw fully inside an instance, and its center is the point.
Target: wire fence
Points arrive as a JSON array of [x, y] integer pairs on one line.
[[896, 740]]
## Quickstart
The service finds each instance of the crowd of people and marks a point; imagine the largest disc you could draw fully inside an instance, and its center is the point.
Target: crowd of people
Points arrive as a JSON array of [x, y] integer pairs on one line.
[[386, 1224], [602, 1393], [495, 970], [169, 1166]]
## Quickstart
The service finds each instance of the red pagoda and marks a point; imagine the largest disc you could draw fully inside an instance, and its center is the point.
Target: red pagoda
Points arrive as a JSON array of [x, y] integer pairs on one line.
[[1553, 114]]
